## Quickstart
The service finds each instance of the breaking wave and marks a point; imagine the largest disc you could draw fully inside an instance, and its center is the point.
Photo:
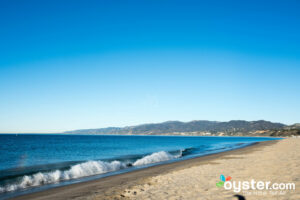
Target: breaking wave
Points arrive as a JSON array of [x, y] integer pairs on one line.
[[154, 158], [76, 171], [84, 169]]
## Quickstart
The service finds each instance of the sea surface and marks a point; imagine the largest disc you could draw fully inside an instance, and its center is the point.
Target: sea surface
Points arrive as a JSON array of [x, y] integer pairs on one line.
[[32, 162]]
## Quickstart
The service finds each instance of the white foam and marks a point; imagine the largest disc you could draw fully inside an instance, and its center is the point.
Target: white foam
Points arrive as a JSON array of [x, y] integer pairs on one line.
[[76, 171], [82, 170], [154, 158]]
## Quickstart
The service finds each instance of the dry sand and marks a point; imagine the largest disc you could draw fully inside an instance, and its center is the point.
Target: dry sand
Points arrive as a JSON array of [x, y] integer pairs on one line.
[[278, 162]]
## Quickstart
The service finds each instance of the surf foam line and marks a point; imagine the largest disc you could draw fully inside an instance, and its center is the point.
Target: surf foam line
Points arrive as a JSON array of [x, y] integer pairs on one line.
[[85, 169]]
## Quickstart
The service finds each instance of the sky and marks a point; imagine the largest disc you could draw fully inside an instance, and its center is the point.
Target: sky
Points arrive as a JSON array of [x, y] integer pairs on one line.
[[68, 65]]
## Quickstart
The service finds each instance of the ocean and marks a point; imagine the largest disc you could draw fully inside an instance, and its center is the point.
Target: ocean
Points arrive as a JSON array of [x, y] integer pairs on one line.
[[32, 162]]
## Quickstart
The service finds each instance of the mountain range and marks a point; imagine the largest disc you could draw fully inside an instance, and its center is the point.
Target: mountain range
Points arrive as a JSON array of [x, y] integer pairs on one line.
[[199, 127]]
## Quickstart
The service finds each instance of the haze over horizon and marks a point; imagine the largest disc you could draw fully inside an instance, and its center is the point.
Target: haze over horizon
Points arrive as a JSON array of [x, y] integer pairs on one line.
[[67, 65]]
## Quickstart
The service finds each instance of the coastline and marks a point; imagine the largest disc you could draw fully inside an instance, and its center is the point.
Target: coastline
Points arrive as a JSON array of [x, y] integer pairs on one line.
[[113, 187]]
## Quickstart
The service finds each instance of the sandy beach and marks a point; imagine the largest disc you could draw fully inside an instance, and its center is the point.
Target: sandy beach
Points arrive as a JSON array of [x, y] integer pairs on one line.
[[271, 161]]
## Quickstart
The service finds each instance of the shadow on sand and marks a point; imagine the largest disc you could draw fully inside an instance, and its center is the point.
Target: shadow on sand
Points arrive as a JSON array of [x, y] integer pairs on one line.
[[240, 197]]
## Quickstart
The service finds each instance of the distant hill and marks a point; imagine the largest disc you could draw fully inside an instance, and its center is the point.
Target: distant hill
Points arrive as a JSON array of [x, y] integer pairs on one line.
[[198, 127], [286, 131]]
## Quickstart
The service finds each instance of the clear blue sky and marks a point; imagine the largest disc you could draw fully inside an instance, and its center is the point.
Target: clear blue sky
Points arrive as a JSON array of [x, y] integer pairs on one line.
[[68, 65]]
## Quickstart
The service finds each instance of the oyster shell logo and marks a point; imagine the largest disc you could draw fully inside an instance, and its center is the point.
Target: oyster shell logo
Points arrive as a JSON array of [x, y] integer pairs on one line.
[[223, 180]]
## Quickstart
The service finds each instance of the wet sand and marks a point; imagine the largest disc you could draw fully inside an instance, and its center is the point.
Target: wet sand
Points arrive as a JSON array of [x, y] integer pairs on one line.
[[275, 161]]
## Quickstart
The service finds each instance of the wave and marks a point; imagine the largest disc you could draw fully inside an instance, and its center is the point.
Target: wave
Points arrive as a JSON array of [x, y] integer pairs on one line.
[[76, 171], [55, 173], [155, 157], [12, 173], [84, 169]]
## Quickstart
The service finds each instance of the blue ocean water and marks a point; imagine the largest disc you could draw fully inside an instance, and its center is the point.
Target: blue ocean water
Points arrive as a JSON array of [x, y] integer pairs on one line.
[[33, 161]]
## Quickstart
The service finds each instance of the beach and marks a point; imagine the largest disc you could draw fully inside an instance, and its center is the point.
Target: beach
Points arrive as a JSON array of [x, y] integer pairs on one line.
[[274, 161], [149, 100]]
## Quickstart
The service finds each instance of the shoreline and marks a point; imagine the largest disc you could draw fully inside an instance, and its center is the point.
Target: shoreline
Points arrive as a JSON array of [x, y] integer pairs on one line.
[[112, 187]]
